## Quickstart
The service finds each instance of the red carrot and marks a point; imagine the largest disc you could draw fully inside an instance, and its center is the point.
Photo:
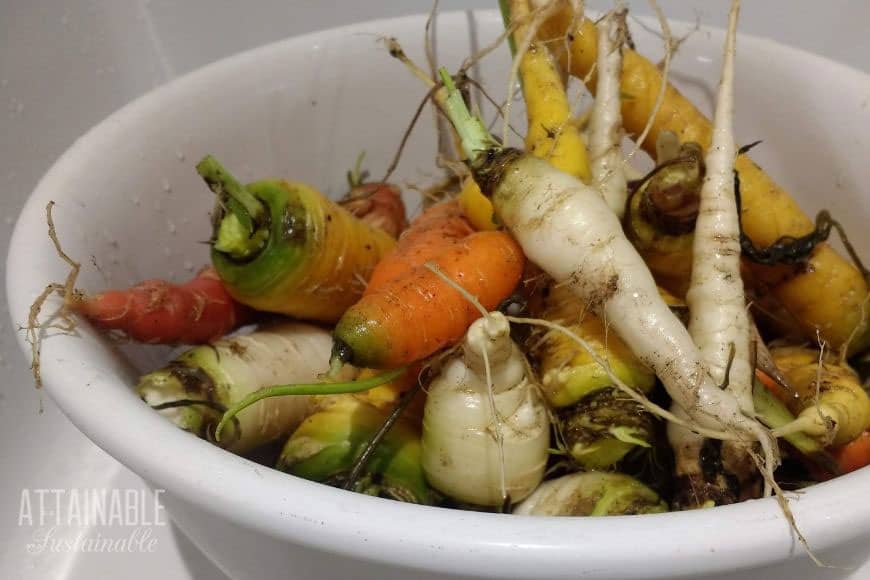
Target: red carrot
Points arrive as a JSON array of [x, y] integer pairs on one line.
[[159, 312], [379, 205]]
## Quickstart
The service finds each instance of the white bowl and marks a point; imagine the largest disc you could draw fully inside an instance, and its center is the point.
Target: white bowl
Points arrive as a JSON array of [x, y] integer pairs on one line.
[[127, 194]]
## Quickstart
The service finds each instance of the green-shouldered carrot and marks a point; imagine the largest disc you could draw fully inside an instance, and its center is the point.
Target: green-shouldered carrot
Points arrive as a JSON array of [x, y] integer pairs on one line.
[[592, 494], [284, 247], [196, 388], [329, 443]]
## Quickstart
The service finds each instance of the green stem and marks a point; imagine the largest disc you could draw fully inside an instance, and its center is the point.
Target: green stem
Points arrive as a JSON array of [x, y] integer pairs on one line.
[[472, 132], [241, 232], [228, 188], [356, 175], [307, 389]]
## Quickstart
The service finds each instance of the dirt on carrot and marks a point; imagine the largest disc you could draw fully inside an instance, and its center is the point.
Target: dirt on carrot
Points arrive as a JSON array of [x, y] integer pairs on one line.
[[408, 313]]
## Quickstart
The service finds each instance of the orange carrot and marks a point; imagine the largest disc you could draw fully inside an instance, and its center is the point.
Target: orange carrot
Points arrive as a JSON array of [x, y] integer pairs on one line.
[[855, 454], [379, 205], [407, 312], [427, 236], [159, 312]]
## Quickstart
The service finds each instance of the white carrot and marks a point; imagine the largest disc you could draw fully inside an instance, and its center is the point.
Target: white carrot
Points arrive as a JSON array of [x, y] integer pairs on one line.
[[592, 493], [605, 124], [718, 322], [718, 319], [566, 228], [485, 428], [196, 388]]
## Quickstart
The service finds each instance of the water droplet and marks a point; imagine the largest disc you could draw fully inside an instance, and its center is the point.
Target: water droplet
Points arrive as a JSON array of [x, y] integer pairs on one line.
[[185, 220], [64, 20], [136, 201], [171, 227], [158, 207], [4, 82], [167, 251], [19, 107], [110, 69], [179, 154], [188, 265], [164, 183]]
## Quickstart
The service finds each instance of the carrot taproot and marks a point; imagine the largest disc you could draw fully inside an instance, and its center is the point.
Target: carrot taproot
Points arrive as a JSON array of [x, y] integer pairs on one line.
[[410, 316], [160, 312], [855, 454]]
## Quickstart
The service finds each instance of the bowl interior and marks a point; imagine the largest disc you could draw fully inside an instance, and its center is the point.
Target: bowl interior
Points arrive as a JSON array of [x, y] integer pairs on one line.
[[127, 195]]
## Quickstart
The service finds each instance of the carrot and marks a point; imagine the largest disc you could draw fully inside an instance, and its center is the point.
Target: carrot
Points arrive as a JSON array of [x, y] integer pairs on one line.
[[409, 316], [855, 454], [550, 135], [718, 322], [825, 294], [284, 247], [567, 229], [379, 205], [437, 226], [197, 387], [160, 312], [830, 402], [439, 233]]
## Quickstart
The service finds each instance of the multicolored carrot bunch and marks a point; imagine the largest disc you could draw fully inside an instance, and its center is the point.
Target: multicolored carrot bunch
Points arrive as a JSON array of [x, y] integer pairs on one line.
[[553, 335]]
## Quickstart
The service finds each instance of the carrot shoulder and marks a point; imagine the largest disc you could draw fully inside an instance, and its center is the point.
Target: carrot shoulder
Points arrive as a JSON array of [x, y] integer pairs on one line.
[[160, 312]]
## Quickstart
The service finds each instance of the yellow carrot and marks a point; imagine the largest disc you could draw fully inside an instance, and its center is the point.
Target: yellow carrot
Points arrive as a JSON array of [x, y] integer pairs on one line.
[[285, 247], [830, 402], [568, 373], [826, 294], [550, 135]]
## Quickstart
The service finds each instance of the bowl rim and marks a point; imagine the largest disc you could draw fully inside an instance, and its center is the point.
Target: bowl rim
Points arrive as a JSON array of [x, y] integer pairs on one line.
[[341, 522]]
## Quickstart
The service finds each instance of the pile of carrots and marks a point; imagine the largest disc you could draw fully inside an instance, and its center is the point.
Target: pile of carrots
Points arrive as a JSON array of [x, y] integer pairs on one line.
[[472, 299]]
